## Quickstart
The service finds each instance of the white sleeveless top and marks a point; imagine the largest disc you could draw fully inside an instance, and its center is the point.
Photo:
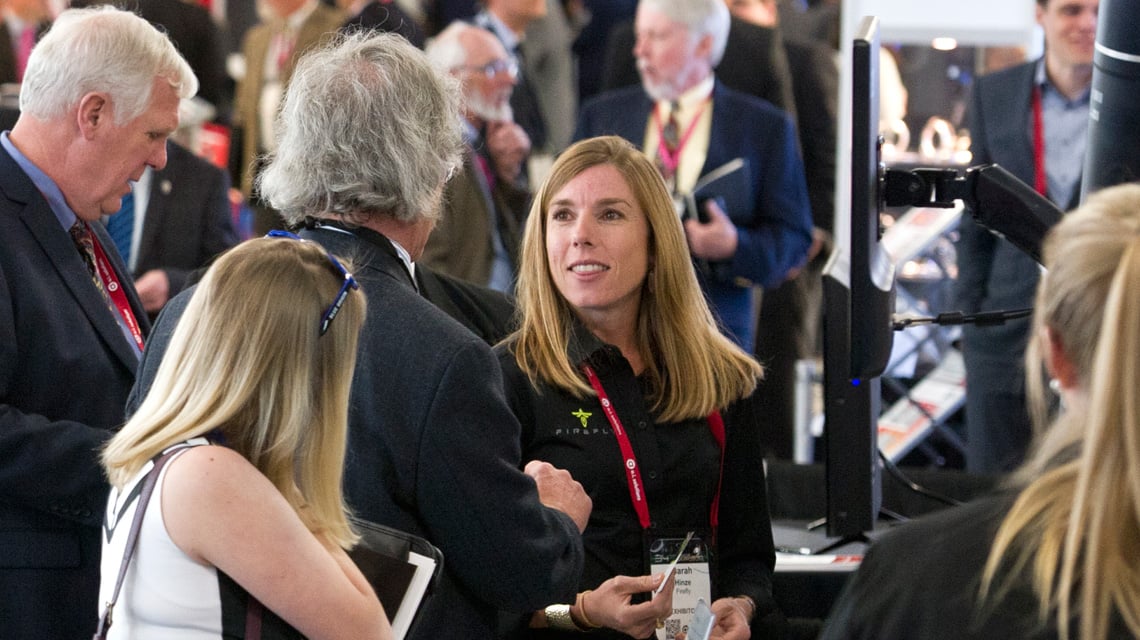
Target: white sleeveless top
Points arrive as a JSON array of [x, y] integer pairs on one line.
[[165, 594]]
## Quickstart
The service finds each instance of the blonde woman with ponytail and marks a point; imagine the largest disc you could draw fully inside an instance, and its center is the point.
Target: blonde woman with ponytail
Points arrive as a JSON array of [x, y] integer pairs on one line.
[[252, 393], [1056, 555]]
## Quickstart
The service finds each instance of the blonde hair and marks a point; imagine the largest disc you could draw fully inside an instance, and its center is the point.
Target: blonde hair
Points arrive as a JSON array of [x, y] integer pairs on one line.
[[691, 366], [1076, 524], [246, 360]]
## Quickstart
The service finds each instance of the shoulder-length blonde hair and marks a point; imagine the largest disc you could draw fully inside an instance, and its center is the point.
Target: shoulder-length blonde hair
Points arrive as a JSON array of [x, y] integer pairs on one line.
[[247, 360], [692, 367], [1076, 524]]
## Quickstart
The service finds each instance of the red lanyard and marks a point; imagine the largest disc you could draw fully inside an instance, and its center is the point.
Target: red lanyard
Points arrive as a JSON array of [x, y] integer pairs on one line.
[[670, 158], [633, 475], [115, 290], [1040, 181]]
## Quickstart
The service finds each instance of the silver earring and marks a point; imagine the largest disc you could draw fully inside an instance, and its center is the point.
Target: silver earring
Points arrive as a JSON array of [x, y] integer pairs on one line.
[[1055, 386]]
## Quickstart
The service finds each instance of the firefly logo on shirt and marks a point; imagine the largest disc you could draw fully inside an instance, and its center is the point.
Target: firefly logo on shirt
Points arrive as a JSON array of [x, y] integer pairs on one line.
[[582, 416]]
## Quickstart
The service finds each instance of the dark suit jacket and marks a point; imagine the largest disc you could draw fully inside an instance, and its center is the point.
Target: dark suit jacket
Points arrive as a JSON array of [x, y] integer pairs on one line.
[[188, 220], [65, 371], [487, 313], [754, 63], [7, 56], [194, 33], [774, 237], [788, 327], [592, 44], [993, 275], [815, 88], [386, 15], [433, 449], [461, 244]]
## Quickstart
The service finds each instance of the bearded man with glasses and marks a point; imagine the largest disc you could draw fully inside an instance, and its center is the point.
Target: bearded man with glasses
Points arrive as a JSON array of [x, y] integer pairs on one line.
[[478, 237]]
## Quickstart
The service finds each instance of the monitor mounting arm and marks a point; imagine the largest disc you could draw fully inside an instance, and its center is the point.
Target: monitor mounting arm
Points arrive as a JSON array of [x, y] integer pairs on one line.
[[995, 198]]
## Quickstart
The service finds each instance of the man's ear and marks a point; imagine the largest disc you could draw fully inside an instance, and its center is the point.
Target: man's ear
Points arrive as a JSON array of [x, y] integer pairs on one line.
[[94, 112], [704, 48]]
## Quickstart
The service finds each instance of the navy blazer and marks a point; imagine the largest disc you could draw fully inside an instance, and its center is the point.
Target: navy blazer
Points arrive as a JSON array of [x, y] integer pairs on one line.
[[65, 371], [434, 450], [775, 236], [188, 220]]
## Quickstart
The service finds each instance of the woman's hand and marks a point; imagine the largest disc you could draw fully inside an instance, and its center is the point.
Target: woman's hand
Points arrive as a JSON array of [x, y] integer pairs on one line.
[[610, 605], [733, 619]]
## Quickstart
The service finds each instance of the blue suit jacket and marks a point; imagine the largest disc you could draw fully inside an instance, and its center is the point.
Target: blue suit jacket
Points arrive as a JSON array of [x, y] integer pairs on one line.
[[65, 371], [775, 236]]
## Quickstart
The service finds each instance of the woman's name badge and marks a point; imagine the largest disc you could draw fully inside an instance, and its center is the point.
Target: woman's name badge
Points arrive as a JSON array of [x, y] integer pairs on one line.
[[687, 558]]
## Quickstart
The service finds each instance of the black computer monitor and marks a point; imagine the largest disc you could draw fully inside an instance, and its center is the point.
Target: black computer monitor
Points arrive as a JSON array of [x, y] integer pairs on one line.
[[858, 304]]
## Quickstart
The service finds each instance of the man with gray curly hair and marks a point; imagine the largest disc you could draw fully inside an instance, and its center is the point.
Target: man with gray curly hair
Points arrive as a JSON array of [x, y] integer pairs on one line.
[[368, 134], [99, 100]]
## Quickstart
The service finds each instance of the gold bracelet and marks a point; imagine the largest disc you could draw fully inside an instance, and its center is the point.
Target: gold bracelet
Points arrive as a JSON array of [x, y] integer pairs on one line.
[[579, 602], [558, 617]]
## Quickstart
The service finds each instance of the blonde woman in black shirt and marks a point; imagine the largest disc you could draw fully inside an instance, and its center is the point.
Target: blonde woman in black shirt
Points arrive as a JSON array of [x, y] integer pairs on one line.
[[620, 374]]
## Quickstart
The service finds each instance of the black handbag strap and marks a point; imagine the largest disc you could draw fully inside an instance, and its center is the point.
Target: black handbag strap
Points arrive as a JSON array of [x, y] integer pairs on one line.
[[254, 607], [149, 483]]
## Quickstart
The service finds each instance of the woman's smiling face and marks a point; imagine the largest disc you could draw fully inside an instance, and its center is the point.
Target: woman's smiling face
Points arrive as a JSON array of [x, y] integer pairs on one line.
[[597, 245]]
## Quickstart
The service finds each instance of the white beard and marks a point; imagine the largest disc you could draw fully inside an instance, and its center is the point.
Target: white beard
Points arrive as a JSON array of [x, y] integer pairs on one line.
[[488, 111], [659, 91]]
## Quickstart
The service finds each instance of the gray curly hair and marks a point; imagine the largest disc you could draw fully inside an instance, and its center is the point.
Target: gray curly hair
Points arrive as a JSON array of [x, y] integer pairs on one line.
[[367, 127]]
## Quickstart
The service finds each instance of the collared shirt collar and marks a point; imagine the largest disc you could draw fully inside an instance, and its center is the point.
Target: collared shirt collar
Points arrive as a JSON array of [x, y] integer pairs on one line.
[[46, 185], [583, 346], [14, 23], [373, 237], [470, 133], [697, 94], [405, 257], [488, 20], [1041, 79], [690, 100], [299, 17]]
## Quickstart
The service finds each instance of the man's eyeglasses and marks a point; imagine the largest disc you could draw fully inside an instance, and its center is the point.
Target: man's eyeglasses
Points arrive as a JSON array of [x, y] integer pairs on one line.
[[510, 66], [349, 281]]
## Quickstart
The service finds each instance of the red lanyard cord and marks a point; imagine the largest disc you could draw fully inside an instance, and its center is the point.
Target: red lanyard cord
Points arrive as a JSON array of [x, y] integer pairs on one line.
[[115, 290], [671, 158], [1040, 180], [629, 459]]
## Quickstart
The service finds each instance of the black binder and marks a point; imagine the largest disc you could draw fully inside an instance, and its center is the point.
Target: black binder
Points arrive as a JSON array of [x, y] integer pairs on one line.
[[402, 569], [731, 183]]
